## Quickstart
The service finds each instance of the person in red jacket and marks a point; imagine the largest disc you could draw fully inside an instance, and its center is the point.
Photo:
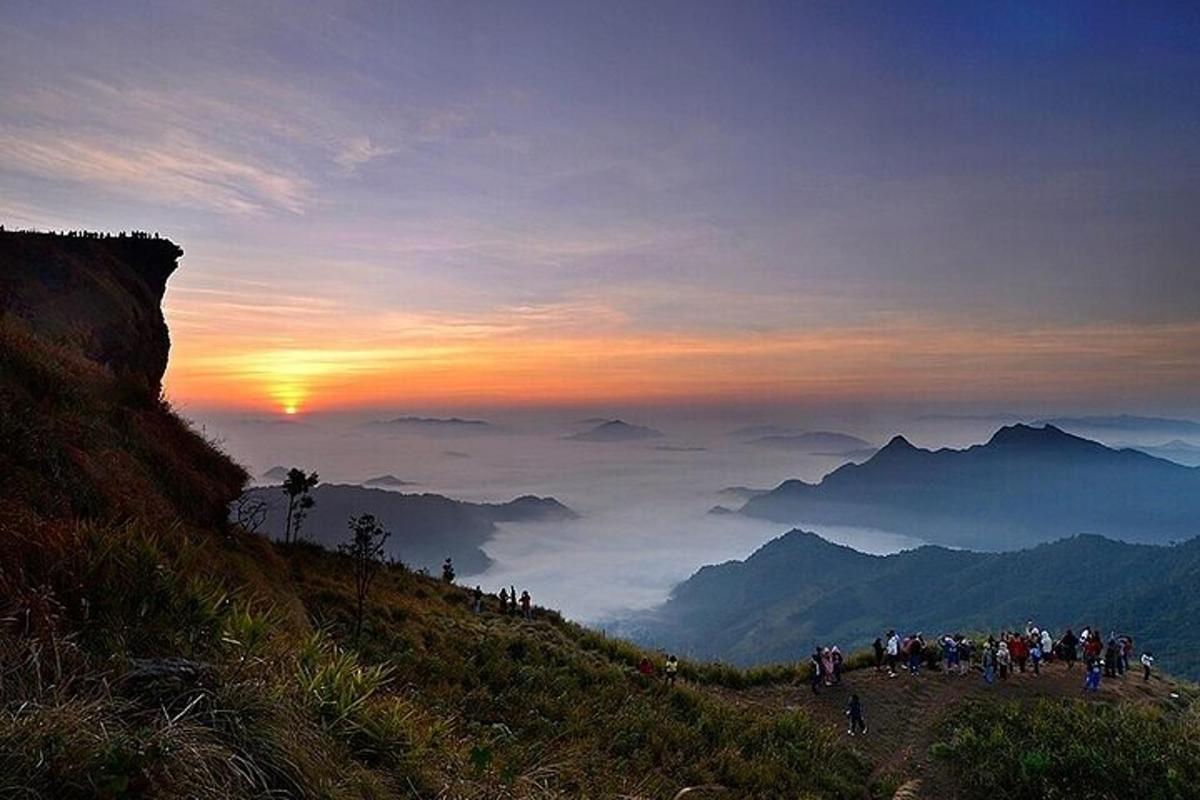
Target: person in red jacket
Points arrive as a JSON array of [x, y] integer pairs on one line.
[[1019, 651]]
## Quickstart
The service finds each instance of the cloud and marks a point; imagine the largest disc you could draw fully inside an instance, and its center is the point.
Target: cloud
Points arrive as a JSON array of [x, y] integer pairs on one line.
[[358, 151], [175, 171]]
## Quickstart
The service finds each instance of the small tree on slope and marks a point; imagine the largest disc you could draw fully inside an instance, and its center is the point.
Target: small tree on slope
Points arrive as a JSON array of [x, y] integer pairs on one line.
[[365, 548], [297, 486]]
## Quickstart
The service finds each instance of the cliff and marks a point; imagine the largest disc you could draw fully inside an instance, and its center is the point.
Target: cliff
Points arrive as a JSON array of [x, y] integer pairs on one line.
[[83, 348], [100, 295]]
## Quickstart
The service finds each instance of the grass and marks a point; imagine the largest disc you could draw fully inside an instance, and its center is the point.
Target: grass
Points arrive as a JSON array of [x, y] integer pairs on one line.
[[117, 555], [1072, 748]]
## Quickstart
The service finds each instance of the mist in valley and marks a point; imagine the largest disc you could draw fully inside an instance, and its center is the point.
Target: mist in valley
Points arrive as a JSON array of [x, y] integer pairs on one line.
[[645, 505]]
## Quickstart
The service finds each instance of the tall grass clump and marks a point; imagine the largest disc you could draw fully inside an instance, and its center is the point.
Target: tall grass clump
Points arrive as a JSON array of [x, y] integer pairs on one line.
[[1072, 748]]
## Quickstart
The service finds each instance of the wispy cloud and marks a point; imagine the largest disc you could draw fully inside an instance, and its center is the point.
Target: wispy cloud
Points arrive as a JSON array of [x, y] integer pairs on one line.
[[358, 151], [175, 171]]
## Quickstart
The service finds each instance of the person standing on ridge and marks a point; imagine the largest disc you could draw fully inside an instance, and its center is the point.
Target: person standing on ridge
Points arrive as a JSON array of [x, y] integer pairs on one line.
[[877, 645], [816, 670], [477, 599], [1147, 663], [671, 669], [893, 652], [1111, 655], [916, 652], [1070, 646], [503, 601], [1003, 659], [854, 711], [526, 605], [989, 666]]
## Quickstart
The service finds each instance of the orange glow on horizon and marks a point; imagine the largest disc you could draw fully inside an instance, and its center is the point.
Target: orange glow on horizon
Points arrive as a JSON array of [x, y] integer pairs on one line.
[[903, 361]]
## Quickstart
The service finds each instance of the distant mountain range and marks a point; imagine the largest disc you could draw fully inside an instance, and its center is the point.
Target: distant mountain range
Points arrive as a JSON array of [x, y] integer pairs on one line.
[[615, 430], [387, 481], [800, 589], [1126, 423], [1026, 485], [815, 443], [426, 528], [1179, 451]]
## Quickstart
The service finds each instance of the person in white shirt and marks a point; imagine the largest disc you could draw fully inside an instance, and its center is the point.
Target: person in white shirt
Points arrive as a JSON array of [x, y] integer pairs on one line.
[[1147, 662], [893, 652]]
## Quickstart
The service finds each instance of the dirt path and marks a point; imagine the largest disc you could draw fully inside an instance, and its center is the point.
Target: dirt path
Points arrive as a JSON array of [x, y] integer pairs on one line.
[[903, 713]]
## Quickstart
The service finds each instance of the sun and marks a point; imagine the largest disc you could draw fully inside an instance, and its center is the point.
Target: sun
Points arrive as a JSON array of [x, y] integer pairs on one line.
[[290, 410]]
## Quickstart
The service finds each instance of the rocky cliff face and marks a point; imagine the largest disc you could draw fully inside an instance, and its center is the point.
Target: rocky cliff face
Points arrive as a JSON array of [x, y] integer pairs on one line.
[[84, 432], [101, 295]]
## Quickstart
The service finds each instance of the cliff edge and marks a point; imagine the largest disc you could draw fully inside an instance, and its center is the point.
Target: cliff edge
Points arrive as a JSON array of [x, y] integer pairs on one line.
[[97, 293]]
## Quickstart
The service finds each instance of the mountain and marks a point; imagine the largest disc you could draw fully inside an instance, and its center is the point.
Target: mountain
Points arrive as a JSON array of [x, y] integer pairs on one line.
[[1177, 450], [742, 493], [276, 474], [814, 443], [615, 430], [1126, 423], [1025, 485], [799, 589], [152, 647], [426, 528], [387, 482]]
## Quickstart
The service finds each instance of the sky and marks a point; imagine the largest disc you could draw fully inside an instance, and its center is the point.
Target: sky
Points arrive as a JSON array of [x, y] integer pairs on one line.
[[455, 205]]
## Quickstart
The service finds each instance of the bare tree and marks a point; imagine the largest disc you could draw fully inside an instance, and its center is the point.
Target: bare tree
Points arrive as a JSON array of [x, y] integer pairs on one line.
[[365, 548], [250, 511], [297, 486]]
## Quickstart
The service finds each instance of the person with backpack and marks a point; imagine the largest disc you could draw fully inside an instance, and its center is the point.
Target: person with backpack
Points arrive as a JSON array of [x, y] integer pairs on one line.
[[1003, 659], [916, 652], [1092, 681], [989, 666], [854, 711], [1111, 654], [1069, 645], [835, 655], [1035, 657], [816, 670], [949, 654], [1147, 663], [966, 654], [671, 669]]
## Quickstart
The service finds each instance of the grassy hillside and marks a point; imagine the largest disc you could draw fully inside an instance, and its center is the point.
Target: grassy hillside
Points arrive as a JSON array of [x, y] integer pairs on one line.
[[149, 649], [800, 588]]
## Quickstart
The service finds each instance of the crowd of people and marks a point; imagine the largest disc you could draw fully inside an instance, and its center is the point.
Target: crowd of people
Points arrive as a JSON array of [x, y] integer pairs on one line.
[[510, 603], [997, 657]]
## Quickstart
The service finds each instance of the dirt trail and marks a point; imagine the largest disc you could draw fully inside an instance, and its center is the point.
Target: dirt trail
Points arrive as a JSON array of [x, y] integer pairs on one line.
[[903, 713]]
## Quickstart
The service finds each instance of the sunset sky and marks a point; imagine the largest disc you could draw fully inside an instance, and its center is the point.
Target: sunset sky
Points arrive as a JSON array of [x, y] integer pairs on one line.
[[445, 205]]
